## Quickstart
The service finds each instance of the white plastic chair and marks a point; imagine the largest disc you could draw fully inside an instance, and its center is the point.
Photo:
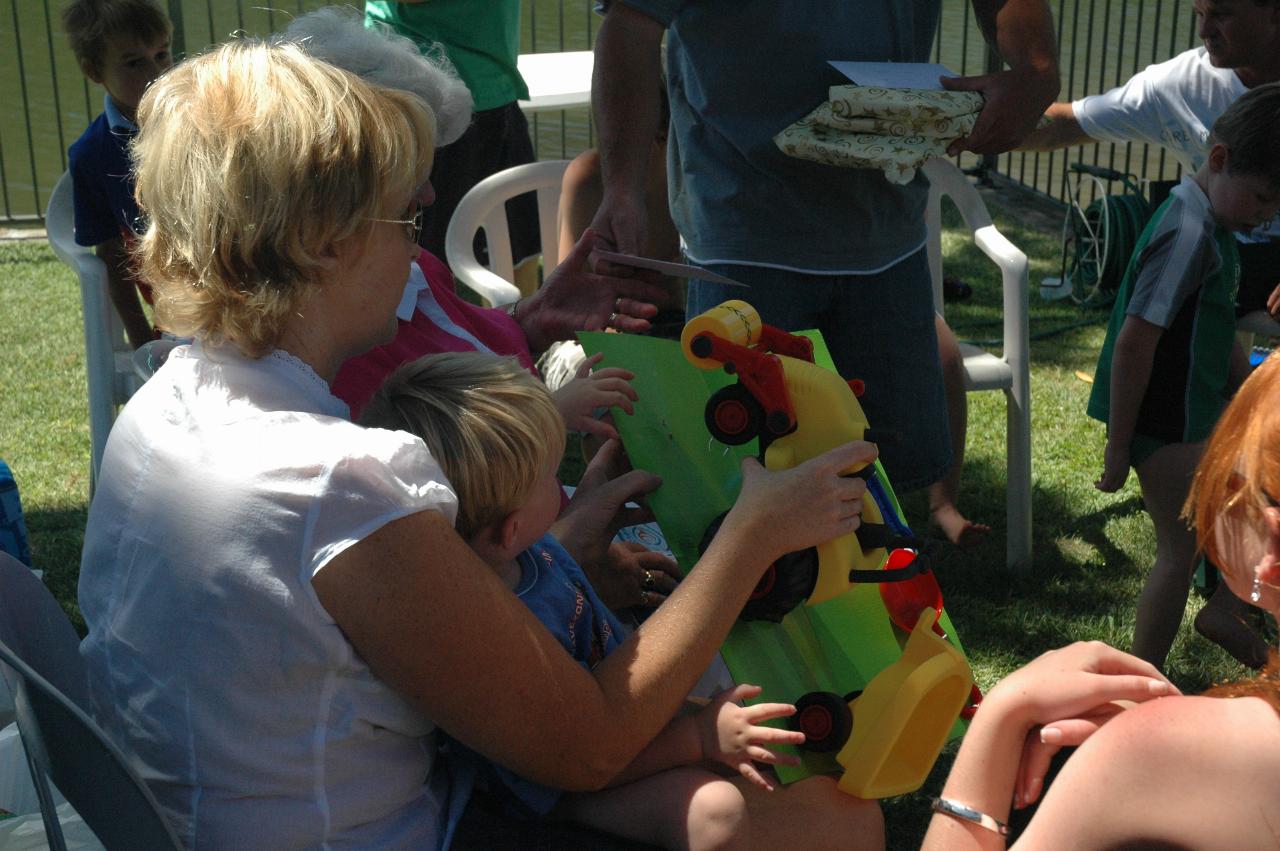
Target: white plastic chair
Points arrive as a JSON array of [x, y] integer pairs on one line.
[[108, 355], [984, 371], [484, 208]]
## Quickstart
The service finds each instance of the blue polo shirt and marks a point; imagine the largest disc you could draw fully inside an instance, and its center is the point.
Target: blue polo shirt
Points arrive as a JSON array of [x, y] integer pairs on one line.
[[102, 179], [739, 71]]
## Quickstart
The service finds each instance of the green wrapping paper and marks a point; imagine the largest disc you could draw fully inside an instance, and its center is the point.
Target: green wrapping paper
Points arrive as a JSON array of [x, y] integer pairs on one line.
[[837, 646]]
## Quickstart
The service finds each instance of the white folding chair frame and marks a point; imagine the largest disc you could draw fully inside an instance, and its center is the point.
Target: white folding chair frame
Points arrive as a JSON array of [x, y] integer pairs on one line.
[[484, 208], [1010, 372]]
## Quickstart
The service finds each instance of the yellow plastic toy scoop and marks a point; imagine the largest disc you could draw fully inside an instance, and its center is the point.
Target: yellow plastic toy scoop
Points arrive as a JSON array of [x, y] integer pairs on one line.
[[902, 717]]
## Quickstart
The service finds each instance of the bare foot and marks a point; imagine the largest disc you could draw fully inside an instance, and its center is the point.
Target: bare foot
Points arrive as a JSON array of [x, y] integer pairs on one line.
[[1227, 622], [959, 530]]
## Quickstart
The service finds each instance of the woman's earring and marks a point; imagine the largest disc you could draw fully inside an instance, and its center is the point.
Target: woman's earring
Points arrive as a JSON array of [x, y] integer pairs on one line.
[[1256, 593]]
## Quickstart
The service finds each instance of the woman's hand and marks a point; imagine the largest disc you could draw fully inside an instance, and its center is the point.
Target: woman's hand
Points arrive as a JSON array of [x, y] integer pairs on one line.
[[598, 507], [577, 299], [730, 733], [1043, 743], [782, 511], [1073, 682], [580, 397], [629, 574], [1065, 696]]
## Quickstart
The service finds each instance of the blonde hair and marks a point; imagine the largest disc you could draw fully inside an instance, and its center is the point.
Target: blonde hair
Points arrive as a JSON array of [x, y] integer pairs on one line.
[[89, 23], [252, 161], [492, 426], [1240, 468]]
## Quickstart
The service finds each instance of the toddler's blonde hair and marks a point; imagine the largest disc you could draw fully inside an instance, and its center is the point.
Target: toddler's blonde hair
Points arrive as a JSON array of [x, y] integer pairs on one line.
[[492, 426]]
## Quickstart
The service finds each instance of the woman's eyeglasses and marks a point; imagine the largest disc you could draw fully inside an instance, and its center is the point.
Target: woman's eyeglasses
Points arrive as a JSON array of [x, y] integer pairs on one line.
[[412, 226]]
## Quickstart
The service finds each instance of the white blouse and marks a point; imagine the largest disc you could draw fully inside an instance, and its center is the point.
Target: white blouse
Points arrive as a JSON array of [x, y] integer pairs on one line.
[[229, 483]]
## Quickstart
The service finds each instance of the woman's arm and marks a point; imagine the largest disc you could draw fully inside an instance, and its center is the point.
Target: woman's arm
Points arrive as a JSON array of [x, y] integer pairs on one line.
[[436, 625], [1057, 687]]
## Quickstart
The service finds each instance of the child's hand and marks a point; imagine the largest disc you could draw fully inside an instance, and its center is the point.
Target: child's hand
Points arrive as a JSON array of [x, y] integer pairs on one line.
[[729, 733], [579, 398], [1115, 468]]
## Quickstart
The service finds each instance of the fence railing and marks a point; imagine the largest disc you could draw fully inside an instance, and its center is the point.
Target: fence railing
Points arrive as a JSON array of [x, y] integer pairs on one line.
[[45, 102]]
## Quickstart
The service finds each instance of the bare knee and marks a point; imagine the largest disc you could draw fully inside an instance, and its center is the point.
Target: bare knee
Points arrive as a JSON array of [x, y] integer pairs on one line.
[[717, 816], [854, 823]]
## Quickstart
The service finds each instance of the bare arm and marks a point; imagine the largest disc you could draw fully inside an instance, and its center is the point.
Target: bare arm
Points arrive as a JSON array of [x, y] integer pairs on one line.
[[627, 107], [436, 625], [123, 292], [580, 194], [1063, 131], [1058, 688], [1131, 361], [1022, 31]]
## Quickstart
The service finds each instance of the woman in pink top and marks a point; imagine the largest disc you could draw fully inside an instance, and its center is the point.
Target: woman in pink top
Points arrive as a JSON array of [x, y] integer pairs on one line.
[[432, 318]]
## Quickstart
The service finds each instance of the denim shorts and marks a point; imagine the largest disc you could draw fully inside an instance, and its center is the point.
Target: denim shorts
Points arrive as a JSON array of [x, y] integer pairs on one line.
[[880, 328]]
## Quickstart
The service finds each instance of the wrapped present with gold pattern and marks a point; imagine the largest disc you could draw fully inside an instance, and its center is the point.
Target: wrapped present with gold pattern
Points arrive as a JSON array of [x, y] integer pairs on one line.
[[892, 130]]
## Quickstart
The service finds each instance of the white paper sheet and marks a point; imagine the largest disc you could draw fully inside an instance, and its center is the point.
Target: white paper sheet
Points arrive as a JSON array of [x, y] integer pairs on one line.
[[895, 75], [675, 270]]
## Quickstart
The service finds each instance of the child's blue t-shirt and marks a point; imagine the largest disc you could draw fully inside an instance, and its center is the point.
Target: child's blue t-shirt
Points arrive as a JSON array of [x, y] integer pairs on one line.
[[556, 590], [102, 178]]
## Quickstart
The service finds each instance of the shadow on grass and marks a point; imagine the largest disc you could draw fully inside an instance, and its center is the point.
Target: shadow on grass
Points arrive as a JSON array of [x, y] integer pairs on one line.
[[57, 537], [1002, 614]]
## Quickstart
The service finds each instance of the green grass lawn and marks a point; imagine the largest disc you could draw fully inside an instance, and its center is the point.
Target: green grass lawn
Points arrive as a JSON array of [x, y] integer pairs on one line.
[[1091, 549]]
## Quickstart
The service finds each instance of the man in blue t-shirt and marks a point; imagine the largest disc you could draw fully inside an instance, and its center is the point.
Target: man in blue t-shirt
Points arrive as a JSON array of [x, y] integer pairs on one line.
[[819, 246], [122, 45]]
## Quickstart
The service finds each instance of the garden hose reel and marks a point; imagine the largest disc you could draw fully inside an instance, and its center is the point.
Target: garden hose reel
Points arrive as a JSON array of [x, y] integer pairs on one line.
[[1098, 238]]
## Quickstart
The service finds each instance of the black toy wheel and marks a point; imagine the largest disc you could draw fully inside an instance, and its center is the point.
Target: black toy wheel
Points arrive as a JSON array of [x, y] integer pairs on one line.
[[786, 583], [733, 415], [825, 720]]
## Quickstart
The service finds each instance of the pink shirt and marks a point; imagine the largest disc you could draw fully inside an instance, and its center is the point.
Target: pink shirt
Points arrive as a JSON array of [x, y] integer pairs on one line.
[[441, 322]]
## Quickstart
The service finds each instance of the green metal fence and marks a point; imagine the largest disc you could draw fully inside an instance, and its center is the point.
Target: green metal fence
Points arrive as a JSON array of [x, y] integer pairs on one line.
[[45, 102]]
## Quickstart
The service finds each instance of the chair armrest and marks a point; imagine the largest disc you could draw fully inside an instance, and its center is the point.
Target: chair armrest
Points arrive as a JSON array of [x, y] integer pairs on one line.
[[1014, 273], [489, 286]]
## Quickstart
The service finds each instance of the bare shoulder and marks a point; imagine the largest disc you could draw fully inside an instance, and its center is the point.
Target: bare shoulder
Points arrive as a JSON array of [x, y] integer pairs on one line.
[[1195, 772], [1187, 736]]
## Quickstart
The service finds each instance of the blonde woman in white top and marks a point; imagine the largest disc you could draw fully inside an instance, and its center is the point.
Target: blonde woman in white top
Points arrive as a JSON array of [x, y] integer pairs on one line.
[[279, 610]]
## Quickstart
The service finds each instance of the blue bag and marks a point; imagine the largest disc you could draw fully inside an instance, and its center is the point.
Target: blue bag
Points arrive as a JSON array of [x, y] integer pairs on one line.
[[13, 530]]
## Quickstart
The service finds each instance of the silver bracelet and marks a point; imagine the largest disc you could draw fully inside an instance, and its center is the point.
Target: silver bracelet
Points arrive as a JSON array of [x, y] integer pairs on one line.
[[512, 308], [966, 813]]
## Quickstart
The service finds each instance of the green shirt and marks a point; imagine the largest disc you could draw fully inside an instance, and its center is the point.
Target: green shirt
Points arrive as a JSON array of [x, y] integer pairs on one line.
[[1182, 277], [480, 37]]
